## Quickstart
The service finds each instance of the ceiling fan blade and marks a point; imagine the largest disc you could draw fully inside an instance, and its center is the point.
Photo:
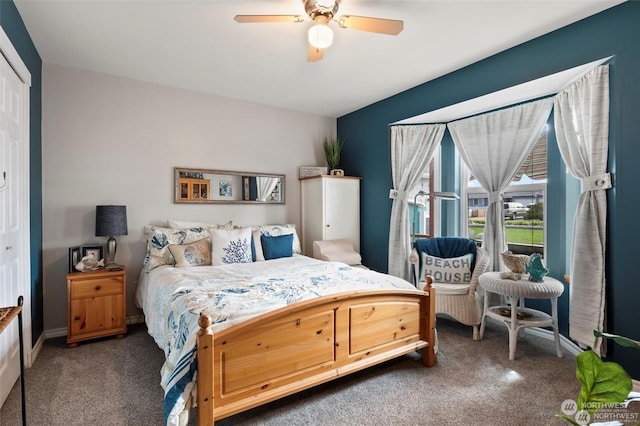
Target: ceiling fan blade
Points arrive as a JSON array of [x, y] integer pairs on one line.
[[252, 19], [372, 25], [314, 54]]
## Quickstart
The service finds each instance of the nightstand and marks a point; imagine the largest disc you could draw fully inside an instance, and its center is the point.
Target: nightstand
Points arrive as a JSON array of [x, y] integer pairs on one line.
[[96, 305]]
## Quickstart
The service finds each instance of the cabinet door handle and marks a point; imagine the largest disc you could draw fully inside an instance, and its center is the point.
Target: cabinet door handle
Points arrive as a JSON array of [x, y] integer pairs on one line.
[[98, 287], [328, 226], [8, 248]]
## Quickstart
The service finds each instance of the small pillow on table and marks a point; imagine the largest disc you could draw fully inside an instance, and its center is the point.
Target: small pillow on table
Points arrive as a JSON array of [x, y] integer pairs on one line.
[[277, 247], [197, 253], [453, 270]]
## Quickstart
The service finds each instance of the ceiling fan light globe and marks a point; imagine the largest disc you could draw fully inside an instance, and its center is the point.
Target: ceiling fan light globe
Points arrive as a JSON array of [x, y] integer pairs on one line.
[[320, 36]]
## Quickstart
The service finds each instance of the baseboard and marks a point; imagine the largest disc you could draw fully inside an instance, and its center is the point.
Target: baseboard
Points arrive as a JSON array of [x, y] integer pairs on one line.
[[60, 332], [135, 319], [567, 344], [35, 350], [55, 332]]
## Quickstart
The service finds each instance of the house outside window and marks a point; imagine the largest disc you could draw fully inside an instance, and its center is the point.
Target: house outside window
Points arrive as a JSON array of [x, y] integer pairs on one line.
[[524, 204]]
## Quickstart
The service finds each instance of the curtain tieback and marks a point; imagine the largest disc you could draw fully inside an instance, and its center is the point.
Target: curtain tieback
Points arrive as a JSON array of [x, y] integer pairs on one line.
[[397, 194], [594, 183], [495, 196]]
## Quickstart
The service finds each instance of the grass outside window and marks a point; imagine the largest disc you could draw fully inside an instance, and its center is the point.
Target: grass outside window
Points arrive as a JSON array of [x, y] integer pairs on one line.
[[520, 233]]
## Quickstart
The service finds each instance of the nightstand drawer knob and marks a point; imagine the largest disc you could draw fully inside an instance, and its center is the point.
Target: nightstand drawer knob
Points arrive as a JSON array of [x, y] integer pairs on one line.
[[98, 287]]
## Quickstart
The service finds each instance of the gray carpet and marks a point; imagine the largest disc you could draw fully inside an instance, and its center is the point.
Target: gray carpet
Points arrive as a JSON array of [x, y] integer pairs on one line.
[[116, 382]]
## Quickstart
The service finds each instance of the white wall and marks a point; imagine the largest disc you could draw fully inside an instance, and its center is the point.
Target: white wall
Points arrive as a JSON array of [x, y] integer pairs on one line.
[[109, 140]]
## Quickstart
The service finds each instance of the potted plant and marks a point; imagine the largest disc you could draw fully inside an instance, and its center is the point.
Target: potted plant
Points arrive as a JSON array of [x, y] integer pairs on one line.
[[604, 383], [332, 148]]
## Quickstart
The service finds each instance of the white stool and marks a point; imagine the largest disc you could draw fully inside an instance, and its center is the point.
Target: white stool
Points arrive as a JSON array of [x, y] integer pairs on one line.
[[516, 317]]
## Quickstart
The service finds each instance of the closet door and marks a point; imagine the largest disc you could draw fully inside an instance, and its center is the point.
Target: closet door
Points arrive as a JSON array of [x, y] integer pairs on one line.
[[13, 218], [342, 210]]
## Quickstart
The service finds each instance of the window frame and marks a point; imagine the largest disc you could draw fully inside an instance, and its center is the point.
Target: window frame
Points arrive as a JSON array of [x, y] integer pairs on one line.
[[529, 187]]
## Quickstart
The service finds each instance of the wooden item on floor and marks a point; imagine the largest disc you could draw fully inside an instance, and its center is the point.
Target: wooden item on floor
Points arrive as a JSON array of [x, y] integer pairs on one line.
[[515, 316], [306, 344], [6, 316], [96, 305]]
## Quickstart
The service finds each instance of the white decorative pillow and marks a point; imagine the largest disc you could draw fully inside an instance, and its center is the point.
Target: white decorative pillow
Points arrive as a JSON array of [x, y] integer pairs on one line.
[[453, 270], [231, 246], [197, 253], [159, 240], [277, 230], [186, 224], [257, 246]]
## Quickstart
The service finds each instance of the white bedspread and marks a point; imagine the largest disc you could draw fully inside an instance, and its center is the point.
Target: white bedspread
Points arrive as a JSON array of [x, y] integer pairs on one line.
[[173, 298]]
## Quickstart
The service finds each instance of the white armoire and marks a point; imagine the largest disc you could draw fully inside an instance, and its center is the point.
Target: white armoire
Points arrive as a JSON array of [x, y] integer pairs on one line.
[[330, 210]]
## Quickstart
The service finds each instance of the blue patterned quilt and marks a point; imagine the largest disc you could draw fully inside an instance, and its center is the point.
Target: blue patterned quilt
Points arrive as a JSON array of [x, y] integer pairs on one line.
[[173, 298]]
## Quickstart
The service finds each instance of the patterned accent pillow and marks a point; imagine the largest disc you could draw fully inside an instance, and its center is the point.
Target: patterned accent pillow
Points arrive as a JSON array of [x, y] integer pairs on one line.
[[453, 270], [159, 240], [197, 253], [231, 246]]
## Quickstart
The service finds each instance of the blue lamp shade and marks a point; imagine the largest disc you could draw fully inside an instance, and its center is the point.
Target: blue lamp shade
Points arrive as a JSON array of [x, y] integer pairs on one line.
[[111, 221]]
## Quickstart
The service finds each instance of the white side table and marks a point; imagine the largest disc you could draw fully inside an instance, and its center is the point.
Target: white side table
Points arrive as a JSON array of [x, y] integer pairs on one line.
[[516, 316]]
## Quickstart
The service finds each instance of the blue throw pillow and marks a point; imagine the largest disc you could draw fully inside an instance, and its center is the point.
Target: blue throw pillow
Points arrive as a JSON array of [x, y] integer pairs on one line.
[[278, 246]]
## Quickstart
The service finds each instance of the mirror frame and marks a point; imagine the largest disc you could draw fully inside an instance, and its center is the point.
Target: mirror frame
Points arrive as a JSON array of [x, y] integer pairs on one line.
[[179, 200]]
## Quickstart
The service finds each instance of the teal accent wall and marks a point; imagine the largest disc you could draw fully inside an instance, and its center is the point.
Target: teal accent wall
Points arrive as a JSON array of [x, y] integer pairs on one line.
[[12, 24], [614, 32]]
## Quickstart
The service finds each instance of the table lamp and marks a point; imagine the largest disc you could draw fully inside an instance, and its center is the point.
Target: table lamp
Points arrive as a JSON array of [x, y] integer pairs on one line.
[[111, 221]]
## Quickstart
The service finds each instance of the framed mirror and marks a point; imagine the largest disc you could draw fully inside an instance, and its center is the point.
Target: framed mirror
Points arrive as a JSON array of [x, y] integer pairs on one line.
[[227, 187]]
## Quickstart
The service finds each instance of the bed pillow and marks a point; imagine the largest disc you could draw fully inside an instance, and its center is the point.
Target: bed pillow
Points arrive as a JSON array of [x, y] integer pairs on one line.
[[186, 224], [276, 230], [231, 246], [159, 239], [453, 270], [197, 253], [277, 247], [257, 254]]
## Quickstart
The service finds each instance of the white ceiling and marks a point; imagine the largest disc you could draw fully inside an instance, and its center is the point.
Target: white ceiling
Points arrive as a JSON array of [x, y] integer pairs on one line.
[[196, 45]]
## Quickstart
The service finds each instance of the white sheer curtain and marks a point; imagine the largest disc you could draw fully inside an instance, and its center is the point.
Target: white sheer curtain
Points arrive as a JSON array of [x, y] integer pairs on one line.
[[411, 150], [582, 129], [494, 145], [265, 186]]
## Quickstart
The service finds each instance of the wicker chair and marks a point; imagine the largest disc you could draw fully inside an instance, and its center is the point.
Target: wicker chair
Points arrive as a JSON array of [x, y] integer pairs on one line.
[[459, 300]]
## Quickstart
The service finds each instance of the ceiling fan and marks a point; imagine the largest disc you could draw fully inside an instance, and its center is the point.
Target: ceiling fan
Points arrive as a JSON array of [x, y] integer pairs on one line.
[[320, 34]]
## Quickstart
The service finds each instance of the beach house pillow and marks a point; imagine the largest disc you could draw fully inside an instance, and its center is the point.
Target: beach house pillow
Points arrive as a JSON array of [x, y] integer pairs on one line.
[[453, 270], [277, 246], [231, 246], [197, 253], [159, 240]]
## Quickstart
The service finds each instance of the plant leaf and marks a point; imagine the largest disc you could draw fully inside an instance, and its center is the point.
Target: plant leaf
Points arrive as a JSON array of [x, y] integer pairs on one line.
[[602, 382], [622, 341], [569, 419]]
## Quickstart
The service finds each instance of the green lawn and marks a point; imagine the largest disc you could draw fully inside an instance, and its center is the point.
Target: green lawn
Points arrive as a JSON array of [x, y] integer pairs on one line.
[[517, 235]]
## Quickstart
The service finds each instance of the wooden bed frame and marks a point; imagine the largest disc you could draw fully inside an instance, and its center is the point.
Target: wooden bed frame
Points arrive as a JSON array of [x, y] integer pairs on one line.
[[306, 344]]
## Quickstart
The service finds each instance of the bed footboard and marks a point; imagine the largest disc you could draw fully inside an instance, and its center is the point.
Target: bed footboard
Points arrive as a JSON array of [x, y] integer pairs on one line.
[[306, 344]]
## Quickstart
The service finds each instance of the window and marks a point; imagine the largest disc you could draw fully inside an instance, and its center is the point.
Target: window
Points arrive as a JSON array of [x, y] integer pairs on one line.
[[423, 213], [524, 201]]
